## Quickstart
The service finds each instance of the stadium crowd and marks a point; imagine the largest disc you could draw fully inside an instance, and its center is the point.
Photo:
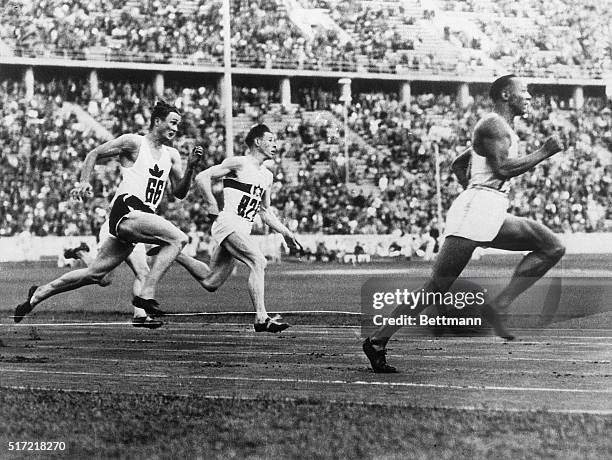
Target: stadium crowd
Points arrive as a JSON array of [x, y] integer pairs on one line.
[[392, 165], [549, 38], [545, 38], [153, 31], [41, 145]]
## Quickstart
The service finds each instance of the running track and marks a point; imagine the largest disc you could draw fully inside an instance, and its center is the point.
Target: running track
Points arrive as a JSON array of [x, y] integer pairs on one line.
[[564, 370]]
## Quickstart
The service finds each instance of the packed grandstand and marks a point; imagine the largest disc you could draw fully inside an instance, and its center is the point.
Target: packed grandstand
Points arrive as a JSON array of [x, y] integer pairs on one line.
[[547, 38], [45, 135]]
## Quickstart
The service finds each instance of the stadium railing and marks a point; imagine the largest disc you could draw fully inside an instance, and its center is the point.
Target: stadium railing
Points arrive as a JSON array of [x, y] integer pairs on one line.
[[309, 64]]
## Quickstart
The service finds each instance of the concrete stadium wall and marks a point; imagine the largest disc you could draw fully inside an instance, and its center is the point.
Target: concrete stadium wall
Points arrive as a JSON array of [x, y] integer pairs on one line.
[[32, 248], [576, 243]]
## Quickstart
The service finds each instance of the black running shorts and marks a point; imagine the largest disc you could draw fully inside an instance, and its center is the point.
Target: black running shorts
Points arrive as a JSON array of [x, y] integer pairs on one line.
[[122, 206]]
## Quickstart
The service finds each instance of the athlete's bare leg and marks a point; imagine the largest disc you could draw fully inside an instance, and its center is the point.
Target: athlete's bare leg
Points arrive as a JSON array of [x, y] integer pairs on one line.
[[249, 254], [141, 227], [111, 253], [88, 259], [454, 255], [137, 261], [522, 234], [516, 234], [211, 278], [222, 265], [222, 262]]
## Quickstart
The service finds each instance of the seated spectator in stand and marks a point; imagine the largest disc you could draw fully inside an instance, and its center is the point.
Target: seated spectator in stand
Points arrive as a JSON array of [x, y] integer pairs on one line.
[[395, 250], [322, 252]]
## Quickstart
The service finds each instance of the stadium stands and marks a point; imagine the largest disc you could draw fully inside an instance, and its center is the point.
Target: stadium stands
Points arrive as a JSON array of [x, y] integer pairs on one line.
[[549, 39], [180, 32], [392, 166], [41, 147]]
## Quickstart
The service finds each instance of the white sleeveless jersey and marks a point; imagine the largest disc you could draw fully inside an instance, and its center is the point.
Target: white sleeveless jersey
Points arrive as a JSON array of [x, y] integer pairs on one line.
[[481, 172], [146, 179], [242, 194]]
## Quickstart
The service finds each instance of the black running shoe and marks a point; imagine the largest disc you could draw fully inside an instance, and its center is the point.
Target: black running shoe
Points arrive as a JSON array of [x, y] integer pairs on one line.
[[148, 305], [378, 358], [25, 307], [271, 325], [147, 322], [493, 318], [72, 253]]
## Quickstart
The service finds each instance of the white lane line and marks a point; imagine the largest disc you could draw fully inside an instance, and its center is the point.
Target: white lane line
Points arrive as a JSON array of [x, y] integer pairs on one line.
[[565, 274], [486, 340], [172, 326], [517, 345], [316, 328], [330, 353], [325, 335], [534, 331], [356, 272], [245, 331], [207, 328], [315, 381], [517, 358], [394, 404], [99, 324], [114, 361], [286, 312]]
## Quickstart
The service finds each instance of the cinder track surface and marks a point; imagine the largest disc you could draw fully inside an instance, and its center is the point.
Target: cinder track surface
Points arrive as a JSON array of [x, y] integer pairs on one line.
[[83, 344], [557, 370]]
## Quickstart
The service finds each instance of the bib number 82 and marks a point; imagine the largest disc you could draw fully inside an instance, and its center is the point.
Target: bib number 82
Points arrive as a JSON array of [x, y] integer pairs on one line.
[[247, 207]]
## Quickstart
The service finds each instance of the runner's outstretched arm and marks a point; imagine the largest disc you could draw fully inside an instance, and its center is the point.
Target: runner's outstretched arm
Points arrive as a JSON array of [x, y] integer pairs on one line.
[[461, 167], [492, 141], [204, 181], [126, 144], [181, 182], [270, 219]]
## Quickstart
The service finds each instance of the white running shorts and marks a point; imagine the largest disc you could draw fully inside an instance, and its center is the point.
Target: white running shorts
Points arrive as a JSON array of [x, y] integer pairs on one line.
[[228, 223], [477, 214]]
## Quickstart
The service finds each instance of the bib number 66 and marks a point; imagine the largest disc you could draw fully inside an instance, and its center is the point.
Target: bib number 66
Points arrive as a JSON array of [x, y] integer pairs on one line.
[[154, 190]]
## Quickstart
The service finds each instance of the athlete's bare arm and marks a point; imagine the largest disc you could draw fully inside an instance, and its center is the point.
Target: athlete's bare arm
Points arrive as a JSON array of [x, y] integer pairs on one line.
[[461, 167], [492, 140], [125, 146], [181, 182], [270, 219], [205, 178]]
